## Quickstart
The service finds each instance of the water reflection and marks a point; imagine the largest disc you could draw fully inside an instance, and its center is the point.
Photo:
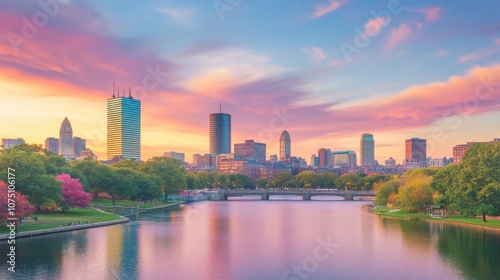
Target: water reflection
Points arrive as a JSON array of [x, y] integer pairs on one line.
[[261, 240]]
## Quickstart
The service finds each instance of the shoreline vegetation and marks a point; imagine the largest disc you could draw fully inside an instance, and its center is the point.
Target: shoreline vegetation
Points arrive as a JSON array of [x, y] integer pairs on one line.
[[95, 216], [386, 212]]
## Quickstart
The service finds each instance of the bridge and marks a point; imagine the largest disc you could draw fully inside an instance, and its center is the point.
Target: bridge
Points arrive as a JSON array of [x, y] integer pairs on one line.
[[305, 194]]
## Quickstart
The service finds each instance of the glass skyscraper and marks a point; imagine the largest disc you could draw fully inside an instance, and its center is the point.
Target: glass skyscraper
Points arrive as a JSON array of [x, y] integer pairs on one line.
[[285, 146], [367, 150], [220, 133], [124, 128]]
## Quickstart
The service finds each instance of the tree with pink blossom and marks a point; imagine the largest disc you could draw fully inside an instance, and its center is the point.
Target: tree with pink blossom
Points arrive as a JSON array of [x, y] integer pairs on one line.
[[22, 206], [73, 193]]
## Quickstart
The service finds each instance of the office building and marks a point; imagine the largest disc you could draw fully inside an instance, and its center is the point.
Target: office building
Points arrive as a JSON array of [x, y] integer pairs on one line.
[[124, 128], [87, 154], [324, 156], [9, 143], [66, 148], [251, 150], [179, 156], [79, 145], [460, 150], [52, 145], [367, 150], [439, 162], [285, 146], [220, 133], [416, 150], [344, 159], [391, 162], [273, 158], [314, 160]]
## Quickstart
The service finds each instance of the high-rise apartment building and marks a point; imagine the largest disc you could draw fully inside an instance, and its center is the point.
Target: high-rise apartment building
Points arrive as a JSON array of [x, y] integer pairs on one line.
[[324, 156], [367, 150], [344, 159], [285, 146], [416, 150], [220, 133], [79, 145], [251, 150], [124, 128], [9, 143], [52, 145]]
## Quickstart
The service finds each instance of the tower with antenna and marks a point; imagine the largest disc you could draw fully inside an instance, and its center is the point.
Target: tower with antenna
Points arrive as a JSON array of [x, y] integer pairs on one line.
[[220, 132]]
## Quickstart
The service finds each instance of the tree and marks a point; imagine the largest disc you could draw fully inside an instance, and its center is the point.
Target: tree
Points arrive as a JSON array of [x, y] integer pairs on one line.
[[147, 189], [478, 181], [193, 182], [22, 209], [326, 180], [307, 179], [241, 181], [73, 193], [444, 181], [281, 180], [122, 185], [261, 183], [168, 174], [44, 191], [384, 190], [415, 195], [97, 175]]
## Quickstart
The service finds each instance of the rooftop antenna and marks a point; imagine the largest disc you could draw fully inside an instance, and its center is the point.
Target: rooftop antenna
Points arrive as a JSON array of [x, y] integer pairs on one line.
[[123, 92], [220, 106], [118, 92], [113, 89], [129, 93]]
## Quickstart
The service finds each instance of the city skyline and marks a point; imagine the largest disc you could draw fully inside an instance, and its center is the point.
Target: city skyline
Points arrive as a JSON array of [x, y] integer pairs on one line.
[[415, 78]]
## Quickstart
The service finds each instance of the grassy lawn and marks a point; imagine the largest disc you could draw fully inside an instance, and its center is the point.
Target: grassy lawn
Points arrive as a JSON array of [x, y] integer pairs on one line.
[[455, 219], [381, 209], [126, 203], [53, 219]]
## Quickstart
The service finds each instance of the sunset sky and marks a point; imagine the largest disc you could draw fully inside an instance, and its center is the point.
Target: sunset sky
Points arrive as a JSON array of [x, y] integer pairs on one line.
[[326, 71]]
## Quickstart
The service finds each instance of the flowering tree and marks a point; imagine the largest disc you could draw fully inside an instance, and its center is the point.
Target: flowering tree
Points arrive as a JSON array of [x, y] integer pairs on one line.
[[73, 193], [22, 206]]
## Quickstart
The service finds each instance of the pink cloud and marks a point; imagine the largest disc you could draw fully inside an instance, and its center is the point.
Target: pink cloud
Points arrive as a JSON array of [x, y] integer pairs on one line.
[[326, 8], [398, 36], [497, 42], [316, 54], [431, 13], [374, 25], [477, 55]]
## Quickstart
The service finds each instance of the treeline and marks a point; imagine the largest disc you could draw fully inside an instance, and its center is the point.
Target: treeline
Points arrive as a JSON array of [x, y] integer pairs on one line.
[[325, 180], [471, 187]]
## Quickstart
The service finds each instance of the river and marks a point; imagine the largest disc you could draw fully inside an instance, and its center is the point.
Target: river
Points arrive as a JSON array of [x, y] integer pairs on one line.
[[259, 240]]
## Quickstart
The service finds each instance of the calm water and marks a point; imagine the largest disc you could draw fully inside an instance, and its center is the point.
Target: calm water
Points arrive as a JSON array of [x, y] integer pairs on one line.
[[262, 240]]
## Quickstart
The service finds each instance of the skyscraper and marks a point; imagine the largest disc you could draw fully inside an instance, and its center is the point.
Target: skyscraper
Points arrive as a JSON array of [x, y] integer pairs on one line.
[[124, 128], [251, 150], [66, 148], [52, 145], [344, 158], [220, 133], [367, 150], [79, 145], [324, 156], [285, 146], [416, 150]]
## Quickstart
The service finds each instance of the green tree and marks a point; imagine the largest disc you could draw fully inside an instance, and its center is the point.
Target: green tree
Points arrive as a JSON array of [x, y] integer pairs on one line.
[[307, 179], [122, 183], [385, 189], [147, 189], [443, 182], [168, 174], [326, 180], [281, 180], [478, 181], [193, 182], [415, 195], [261, 183], [241, 181]]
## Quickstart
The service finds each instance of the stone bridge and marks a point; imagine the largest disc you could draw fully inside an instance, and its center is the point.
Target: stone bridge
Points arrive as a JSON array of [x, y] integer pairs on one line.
[[305, 194]]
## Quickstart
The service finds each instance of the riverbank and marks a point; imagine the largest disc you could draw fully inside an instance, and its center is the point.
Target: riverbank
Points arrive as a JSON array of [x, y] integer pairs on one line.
[[58, 219], [491, 224]]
